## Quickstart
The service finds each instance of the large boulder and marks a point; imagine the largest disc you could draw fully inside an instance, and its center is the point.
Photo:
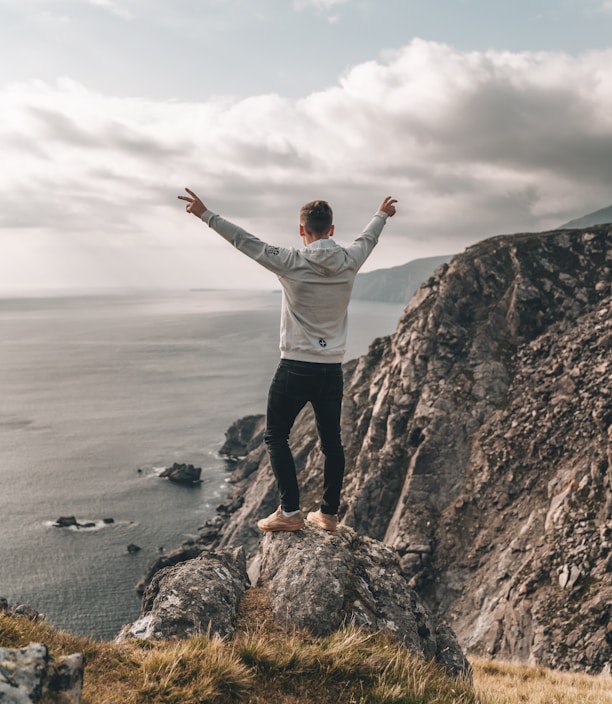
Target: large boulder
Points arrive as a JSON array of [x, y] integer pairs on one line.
[[197, 596], [186, 551], [28, 674], [319, 581]]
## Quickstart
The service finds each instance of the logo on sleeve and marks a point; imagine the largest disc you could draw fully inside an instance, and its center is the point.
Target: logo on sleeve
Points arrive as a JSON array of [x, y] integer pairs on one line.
[[322, 343], [273, 250]]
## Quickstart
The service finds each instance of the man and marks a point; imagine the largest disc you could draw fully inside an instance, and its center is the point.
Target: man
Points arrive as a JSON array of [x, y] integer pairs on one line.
[[317, 281]]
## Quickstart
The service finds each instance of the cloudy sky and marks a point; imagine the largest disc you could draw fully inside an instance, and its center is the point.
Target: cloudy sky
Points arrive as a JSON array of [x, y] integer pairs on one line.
[[481, 116]]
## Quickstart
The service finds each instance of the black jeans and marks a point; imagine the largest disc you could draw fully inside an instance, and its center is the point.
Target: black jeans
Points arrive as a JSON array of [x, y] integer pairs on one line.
[[293, 386]]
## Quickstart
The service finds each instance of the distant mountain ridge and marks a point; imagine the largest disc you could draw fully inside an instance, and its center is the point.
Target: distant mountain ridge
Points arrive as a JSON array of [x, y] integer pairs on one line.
[[599, 217], [398, 283]]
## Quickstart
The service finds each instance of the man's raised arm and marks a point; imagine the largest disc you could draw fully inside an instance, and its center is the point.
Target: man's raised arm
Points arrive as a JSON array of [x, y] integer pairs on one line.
[[275, 259]]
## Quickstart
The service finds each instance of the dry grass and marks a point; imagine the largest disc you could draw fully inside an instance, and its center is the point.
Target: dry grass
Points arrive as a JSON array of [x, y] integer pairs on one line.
[[265, 664], [504, 683]]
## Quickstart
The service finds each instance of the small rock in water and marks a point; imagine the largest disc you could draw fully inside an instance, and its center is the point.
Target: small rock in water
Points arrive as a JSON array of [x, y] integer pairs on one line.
[[65, 521], [132, 548], [182, 473]]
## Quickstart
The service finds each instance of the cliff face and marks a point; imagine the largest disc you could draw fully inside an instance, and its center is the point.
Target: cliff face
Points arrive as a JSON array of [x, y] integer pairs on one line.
[[479, 445]]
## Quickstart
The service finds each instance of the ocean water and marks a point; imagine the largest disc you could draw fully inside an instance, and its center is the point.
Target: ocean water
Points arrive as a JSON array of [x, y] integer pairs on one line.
[[94, 388]]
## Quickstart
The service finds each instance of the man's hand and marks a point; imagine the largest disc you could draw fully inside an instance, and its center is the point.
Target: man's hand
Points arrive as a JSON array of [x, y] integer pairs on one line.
[[388, 206], [194, 204]]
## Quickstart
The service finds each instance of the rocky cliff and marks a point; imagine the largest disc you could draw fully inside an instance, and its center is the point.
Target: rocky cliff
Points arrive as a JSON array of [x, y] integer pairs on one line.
[[479, 445]]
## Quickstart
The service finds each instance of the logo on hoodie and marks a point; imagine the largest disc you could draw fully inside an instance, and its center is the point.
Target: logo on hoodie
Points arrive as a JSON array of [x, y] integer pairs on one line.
[[273, 250], [322, 343]]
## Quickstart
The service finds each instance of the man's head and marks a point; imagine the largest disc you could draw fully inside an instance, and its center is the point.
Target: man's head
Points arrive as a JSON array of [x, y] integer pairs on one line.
[[316, 220]]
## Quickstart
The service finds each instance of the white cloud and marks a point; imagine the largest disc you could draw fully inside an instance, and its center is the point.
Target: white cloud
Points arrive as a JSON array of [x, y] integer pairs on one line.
[[49, 9], [318, 4], [51, 18], [114, 7], [472, 144]]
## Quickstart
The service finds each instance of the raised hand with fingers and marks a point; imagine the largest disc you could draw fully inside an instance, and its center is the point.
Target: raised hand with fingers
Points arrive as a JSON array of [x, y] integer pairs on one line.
[[194, 204], [388, 206]]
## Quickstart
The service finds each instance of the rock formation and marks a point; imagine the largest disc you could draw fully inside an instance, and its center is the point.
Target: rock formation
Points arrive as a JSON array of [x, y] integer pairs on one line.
[[479, 446], [319, 581], [182, 473], [242, 436], [315, 580], [24, 610], [71, 522], [197, 596], [186, 551], [29, 674]]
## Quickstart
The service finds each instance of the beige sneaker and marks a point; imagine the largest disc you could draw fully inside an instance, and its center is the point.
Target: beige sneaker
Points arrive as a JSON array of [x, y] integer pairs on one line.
[[276, 521], [323, 520]]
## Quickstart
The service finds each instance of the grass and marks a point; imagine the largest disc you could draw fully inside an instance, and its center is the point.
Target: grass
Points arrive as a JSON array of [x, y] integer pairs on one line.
[[264, 664], [504, 683]]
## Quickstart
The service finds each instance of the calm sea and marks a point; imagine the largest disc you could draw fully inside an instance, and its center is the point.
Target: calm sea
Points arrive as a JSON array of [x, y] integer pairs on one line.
[[93, 389]]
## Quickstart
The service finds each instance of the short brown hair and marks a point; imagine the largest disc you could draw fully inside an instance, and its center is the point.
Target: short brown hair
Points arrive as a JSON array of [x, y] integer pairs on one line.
[[316, 217]]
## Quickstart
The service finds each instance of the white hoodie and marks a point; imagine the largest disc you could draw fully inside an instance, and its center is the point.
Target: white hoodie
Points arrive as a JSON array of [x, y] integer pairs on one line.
[[317, 281]]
